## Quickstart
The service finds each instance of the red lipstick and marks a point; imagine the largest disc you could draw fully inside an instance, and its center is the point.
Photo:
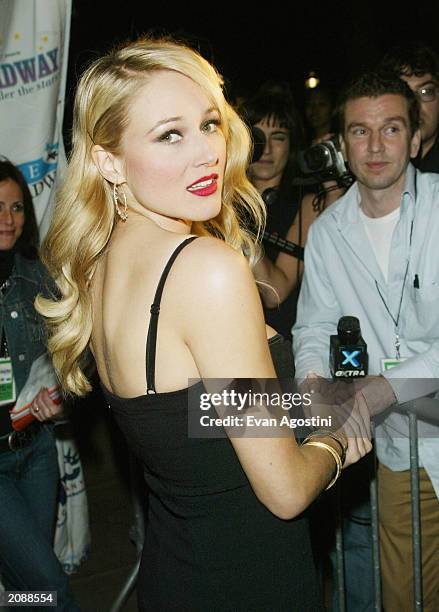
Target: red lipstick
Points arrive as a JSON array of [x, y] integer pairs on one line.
[[204, 186]]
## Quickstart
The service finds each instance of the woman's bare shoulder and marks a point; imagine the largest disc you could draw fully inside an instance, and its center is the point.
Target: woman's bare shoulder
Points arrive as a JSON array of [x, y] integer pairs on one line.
[[215, 264], [220, 315]]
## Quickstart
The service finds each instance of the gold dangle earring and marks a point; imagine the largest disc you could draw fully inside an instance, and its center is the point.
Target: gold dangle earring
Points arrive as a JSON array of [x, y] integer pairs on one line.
[[122, 212]]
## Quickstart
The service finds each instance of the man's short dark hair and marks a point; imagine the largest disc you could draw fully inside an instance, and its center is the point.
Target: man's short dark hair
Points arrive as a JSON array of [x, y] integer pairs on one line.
[[374, 85], [413, 58]]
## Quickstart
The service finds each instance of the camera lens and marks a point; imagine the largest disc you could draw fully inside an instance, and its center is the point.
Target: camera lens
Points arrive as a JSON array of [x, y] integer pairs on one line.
[[317, 158], [259, 141]]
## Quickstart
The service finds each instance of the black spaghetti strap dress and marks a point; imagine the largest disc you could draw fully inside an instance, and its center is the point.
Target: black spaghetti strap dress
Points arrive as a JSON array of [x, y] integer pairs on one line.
[[210, 544]]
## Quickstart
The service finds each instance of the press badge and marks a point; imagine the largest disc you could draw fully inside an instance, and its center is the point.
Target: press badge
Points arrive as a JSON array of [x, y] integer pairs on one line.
[[7, 382], [387, 363]]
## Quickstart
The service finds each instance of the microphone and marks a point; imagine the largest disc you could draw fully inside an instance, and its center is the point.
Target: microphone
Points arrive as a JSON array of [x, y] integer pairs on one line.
[[348, 356]]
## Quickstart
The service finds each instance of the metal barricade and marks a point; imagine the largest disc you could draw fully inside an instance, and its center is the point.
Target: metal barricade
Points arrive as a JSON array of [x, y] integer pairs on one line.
[[375, 537], [428, 409], [137, 534], [416, 515]]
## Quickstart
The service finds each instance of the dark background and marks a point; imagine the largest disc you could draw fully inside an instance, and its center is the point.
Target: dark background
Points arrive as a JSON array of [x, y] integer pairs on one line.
[[281, 41]]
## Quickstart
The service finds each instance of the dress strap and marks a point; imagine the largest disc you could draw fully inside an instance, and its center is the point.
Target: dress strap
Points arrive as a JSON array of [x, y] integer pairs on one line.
[[151, 342]]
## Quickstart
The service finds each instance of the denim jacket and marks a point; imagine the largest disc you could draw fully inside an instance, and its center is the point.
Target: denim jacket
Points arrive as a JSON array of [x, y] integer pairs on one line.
[[23, 326]]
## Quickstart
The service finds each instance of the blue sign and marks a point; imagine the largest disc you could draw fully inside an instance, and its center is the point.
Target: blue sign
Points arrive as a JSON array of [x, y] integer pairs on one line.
[[36, 169]]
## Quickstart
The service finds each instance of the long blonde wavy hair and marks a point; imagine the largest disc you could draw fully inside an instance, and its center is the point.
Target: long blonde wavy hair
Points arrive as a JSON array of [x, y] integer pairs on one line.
[[84, 215]]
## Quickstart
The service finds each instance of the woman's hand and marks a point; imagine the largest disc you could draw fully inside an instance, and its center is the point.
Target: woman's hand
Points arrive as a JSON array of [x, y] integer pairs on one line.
[[44, 408]]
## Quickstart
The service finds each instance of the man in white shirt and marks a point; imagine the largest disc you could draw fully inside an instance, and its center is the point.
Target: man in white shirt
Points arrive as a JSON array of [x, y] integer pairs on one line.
[[374, 254]]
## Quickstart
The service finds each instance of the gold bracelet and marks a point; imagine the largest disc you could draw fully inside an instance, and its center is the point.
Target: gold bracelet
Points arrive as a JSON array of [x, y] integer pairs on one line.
[[330, 434], [334, 453]]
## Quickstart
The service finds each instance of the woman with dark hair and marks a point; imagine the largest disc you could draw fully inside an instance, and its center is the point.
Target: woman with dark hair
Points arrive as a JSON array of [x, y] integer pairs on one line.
[[29, 474], [289, 211], [275, 114], [27, 242]]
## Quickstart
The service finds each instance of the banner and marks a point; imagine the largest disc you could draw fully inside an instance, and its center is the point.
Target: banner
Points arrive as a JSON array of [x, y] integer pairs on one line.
[[34, 41]]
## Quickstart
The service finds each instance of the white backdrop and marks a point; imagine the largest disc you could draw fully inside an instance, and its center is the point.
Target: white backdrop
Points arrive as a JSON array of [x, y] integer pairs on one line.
[[34, 41]]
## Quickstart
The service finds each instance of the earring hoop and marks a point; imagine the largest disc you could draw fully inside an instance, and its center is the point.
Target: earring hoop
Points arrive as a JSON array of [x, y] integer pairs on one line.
[[122, 212]]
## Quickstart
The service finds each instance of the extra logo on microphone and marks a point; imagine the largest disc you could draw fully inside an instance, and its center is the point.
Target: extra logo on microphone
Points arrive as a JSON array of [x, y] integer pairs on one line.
[[352, 364], [347, 350]]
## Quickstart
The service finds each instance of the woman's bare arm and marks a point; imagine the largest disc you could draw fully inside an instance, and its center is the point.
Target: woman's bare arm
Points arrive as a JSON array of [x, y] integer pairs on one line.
[[223, 326]]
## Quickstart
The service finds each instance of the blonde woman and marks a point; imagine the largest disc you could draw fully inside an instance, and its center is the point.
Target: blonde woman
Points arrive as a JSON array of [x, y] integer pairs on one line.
[[147, 250]]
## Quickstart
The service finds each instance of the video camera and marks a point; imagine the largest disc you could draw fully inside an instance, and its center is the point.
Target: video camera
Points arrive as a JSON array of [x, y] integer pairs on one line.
[[324, 162]]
